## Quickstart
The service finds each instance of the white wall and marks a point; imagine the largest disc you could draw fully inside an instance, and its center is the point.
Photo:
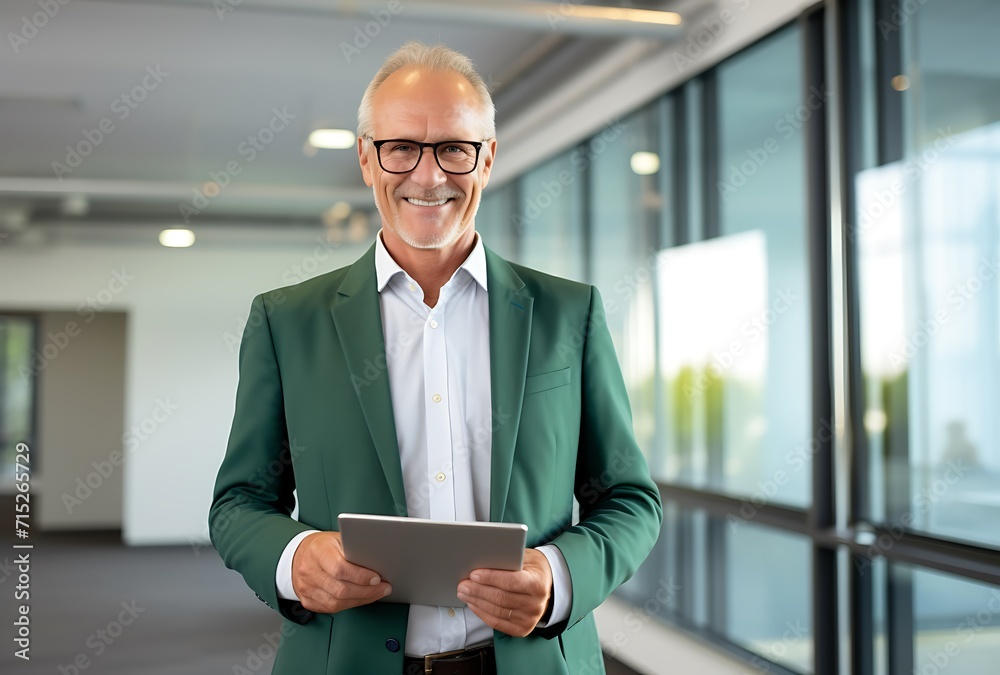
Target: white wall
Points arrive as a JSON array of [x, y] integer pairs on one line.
[[181, 306]]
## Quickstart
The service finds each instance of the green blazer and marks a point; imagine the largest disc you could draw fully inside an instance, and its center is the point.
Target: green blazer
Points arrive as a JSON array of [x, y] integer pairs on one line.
[[314, 414]]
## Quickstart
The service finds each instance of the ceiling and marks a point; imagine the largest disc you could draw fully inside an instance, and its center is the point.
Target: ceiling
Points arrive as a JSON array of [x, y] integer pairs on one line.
[[212, 73]]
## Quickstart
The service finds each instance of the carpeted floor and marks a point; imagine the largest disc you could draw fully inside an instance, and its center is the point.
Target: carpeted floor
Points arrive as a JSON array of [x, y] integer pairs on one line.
[[98, 607]]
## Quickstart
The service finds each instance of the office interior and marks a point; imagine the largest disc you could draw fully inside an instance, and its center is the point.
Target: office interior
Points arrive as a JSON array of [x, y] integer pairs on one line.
[[791, 209]]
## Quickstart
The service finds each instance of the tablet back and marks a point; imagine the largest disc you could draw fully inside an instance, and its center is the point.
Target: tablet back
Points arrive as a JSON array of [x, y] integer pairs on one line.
[[424, 560]]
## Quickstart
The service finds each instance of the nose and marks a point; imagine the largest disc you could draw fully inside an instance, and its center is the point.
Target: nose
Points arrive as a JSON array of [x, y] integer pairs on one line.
[[427, 174]]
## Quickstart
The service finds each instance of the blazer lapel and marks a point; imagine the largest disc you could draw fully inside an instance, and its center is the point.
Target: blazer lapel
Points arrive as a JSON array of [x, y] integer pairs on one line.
[[510, 332], [358, 319]]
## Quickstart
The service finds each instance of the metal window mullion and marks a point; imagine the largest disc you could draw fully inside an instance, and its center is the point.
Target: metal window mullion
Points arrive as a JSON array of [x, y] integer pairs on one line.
[[822, 513]]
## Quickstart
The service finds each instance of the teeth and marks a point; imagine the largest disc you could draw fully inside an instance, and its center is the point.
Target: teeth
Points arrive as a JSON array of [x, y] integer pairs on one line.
[[420, 202]]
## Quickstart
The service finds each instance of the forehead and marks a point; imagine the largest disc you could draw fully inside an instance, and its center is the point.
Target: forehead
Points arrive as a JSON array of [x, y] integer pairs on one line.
[[420, 104]]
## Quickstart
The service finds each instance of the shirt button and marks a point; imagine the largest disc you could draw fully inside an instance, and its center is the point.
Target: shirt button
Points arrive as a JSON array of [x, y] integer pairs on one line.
[[434, 324], [392, 645], [436, 398], [451, 611], [411, 287], [440, 477]]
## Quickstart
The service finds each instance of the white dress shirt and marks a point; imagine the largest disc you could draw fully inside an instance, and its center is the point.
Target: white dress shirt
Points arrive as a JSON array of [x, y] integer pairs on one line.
[[439, 377]]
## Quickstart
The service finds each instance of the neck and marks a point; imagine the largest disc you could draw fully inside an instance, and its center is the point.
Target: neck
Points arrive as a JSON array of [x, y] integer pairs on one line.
[[431, 268]]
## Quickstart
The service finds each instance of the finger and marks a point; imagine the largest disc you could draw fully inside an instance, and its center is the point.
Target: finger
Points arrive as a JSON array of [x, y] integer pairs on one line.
[[488, 611], [355, 574], [321, 600], [331, 561], [509, 621], [345, 591], [512, 582], [491, 594]]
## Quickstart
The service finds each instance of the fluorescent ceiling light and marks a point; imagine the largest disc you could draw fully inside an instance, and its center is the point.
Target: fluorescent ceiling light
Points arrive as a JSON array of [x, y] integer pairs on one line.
[[332, 139], [622, 14], [177, 238], [645, 163]]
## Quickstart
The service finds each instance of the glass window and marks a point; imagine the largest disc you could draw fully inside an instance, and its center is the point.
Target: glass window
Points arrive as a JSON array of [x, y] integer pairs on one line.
[[927, 232], [626, 205], [17, 378], [733, 310], [550, 218], [765, 398], [495, 220], [956, 625], [677, 569], [768, 607]]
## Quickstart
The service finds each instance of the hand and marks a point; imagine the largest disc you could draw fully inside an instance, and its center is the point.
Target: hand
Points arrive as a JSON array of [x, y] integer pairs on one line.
[[512, 602], [326, 582]]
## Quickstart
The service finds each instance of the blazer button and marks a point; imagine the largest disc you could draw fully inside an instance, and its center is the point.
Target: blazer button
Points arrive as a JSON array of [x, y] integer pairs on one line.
[[392, 645]]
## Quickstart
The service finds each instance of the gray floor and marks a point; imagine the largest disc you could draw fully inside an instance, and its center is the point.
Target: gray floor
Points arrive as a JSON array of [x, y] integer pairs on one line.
[[192, 615]]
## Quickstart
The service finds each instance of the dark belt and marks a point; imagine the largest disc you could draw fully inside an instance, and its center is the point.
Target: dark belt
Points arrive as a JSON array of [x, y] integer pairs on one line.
[[477, 661]]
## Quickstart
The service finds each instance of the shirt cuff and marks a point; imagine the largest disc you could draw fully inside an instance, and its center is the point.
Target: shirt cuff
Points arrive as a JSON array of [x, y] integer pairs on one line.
[[562, 589], [283, 575]]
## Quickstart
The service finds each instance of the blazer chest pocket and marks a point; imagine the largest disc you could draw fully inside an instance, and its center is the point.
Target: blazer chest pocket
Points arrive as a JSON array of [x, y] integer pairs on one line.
[[545, 381]]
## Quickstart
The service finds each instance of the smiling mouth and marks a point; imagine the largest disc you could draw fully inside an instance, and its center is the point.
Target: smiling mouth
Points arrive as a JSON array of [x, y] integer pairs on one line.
[[421, 202]]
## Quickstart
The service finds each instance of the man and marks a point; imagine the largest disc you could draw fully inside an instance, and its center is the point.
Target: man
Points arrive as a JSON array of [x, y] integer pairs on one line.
[[432, 379]]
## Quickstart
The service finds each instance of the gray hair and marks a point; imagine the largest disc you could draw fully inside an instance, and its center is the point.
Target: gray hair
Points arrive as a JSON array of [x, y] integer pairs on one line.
[[437, 58]]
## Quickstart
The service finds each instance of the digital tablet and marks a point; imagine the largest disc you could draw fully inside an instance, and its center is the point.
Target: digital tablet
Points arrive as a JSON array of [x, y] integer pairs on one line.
[[424, 560]]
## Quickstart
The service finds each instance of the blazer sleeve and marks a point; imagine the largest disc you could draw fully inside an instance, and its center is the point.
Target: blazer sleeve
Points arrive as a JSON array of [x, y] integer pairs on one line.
[[250, 519], [620, 509]]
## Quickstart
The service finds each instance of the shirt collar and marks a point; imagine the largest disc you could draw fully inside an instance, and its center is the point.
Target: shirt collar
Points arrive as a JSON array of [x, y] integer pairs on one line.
[[386, 268]]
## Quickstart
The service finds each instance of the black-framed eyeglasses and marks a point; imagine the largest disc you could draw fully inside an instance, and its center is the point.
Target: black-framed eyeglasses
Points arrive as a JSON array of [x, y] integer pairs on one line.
[[400, 155]]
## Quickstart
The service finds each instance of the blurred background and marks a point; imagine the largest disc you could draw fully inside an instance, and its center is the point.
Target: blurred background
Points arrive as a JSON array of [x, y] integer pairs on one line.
[[792, 211]]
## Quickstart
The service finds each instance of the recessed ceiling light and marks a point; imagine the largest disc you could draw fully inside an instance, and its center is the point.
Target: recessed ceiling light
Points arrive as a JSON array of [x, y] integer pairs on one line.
[[177, 238], [645, 163], [333, 139]]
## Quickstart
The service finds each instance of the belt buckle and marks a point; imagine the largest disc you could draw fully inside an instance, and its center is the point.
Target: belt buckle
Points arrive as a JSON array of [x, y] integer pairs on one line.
[[431, 658]]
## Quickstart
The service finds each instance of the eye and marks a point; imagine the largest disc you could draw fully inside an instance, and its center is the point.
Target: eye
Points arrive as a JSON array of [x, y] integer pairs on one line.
[[401, 146], [456, 149]]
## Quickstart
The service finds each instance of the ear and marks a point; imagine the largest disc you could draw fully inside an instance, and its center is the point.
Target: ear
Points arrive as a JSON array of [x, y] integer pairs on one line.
[[489, 154], [366, 167]]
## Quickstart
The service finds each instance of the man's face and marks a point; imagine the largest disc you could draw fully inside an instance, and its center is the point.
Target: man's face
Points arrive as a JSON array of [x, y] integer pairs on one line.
[[426, 208]]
